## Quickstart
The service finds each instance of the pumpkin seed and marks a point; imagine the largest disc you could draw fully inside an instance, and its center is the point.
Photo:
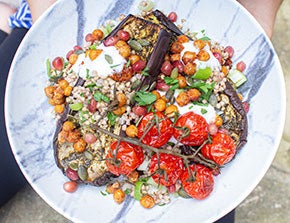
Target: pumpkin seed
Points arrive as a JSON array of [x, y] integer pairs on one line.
[[181, 192], [74, 165], [108, 58], [136, 84], [135, 45], [152, 86], [169, 95], [88, 155], [145, 87], [174, 73], [82, 172], [143, 42]]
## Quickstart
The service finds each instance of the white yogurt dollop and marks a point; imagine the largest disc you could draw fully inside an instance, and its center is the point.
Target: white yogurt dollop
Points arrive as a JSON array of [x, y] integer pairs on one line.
[[100, 66]]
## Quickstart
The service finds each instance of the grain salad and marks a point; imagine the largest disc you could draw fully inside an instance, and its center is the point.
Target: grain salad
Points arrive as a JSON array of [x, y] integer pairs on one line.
[[146, 110]]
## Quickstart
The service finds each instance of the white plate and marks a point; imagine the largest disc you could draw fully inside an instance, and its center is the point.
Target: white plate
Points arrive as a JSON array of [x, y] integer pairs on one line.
[[30, 123]]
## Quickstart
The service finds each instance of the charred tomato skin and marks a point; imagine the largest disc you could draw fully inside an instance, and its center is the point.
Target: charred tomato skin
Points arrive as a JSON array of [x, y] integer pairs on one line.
[[159, 134], [197, 126], [128, 158], [221, 150], [203, 184], [172, 166]]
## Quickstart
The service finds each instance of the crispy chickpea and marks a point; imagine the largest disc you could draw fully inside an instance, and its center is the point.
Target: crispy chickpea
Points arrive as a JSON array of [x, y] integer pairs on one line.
[[93, 54], [120, 43], [190, 68], [203, 55], [133, 176], [147, 201], [80, 145], [171, 110], [58, 100], [73, 58], [68, 126], [59, 109], [111, 188], [133, 58], [125, 51], [218, 121], [240, 96], [67, 91], [200, 44], [160, 105], [132, 131], [164, 98], [49, 91], [120, 111], [62, 136], [98, 34], [122, 99], [156, 93], [73, 136], [51, 102], [182, 99], [166, 57], [225, 70], [188, 57], [119, 196], [176, 47], [181, 81], [182, 39], [175, 57], [63, 84], [193, 94]]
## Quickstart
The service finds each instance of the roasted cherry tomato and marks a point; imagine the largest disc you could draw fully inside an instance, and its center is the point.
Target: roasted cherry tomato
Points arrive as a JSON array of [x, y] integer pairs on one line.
[[221, 150], [127, 158], [158, 134], [169, 169], [194, 128], [199, 184]]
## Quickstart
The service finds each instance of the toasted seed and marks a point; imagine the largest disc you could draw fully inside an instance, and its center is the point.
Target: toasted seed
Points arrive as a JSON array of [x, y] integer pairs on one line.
[[88, 155], [174, 73], [152, 86], [169, 94], [143, 42], [74, 165], [145, 87], [82, 172], [135, 45], [136, 84]]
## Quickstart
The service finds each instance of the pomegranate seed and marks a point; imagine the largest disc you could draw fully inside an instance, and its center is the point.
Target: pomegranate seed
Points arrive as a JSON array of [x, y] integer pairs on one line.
[[90, 138], [111, 41], [139, 66], [123, 35], [162, 86], [57, 63], [166, 68], [218, 56], [241, 66], [89, 38], [213, 129], [179, 65], [69, 54], [246, 106], [72, 174], [230, 51], [92, 106], [139, 110], [172, 16], [70, 186]]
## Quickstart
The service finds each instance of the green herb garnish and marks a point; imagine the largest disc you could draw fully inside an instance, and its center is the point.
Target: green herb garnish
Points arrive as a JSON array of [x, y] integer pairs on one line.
[[99, 96], [145, 98], [76, 106], [112, 118]]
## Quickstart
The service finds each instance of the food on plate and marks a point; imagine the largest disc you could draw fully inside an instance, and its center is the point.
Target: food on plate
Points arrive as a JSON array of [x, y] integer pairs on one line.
[[147, 110]]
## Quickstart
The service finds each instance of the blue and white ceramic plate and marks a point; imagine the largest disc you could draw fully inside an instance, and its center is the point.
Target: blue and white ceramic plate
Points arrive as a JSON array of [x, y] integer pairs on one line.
[[31, 125]]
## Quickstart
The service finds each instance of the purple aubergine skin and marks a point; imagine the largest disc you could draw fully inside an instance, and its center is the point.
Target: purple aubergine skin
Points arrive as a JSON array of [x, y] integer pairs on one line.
[[154, 64]]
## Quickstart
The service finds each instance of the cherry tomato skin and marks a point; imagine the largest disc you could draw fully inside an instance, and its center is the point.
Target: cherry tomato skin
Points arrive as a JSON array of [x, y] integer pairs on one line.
[[90, 138], [197, 126], [171, 165], [70, 186], [203, 184], [221, 150], [128, 156], [230, 51], [159, 135], [241, 66]]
